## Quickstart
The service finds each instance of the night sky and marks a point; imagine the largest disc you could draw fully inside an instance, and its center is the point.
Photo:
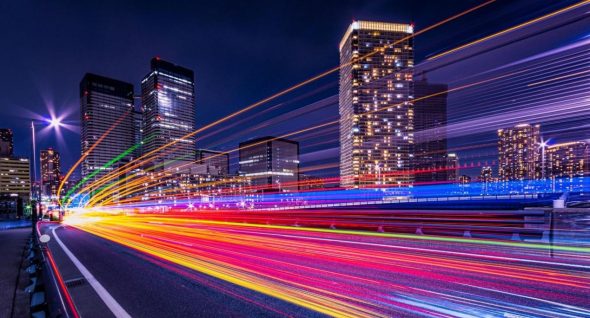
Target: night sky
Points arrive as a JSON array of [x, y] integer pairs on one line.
[[241, 51]]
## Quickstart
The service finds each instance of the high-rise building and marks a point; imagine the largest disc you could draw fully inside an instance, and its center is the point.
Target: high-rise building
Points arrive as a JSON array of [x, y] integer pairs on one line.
[[271, 163], [50, 172], [106, 104], [452, 167], [375, 104], [138, 133], [168, 100], [215, 163], [568, 160], [519, 153], [15, 185], [430, 121], [486, 177], [6, 142]]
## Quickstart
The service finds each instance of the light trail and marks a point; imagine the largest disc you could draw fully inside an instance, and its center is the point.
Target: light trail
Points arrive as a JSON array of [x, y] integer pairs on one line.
[[516, 27], [559, 78], [345, 273]]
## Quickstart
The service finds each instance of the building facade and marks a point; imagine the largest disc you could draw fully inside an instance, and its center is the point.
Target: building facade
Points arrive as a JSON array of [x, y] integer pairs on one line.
[[168, 102], [519, 153], [486, 174], [6, 142], [106, 105], [452, 167], [272, 164], [15, 186], [430, 121], [569, 163], [214, 163], [50, 173], [375, 104], [464, 179]]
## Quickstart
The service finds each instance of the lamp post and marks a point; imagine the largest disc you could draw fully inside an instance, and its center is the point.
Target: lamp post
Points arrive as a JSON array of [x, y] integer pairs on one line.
[[35, 194], [54, 122]]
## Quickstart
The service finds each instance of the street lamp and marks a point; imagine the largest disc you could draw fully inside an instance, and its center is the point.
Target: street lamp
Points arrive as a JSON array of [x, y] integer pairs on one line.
[[54, 122]]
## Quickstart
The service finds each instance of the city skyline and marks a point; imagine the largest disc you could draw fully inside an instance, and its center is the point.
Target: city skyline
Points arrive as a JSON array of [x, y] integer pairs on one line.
[[140, 125], [206, 110]]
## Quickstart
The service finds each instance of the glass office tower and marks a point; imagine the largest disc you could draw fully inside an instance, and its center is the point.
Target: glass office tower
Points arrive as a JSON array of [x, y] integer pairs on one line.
[[168, 101], [106, 104]]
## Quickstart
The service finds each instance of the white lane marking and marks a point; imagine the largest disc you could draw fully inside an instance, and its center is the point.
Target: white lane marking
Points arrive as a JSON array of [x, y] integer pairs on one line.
[[113, 305]]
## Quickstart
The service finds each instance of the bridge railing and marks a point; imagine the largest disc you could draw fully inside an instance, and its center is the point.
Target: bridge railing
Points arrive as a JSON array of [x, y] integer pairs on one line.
[[48, 294]]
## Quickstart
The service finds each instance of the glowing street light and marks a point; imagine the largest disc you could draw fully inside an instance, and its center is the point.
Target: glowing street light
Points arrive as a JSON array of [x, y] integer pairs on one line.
[[55, 122]]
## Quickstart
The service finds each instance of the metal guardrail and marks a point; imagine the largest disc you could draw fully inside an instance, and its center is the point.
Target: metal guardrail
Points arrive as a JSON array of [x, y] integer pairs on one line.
[[49, 296], [404, 200], [530, 224]]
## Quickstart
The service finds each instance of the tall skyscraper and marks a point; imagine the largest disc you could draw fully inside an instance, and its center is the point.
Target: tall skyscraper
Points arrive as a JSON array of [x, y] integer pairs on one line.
[[271, 164], [519, 153], [50, 172], [168, 100], [430, 121], [452, 167], [6, 142], [105, 102], [216, 163], [375, 104]]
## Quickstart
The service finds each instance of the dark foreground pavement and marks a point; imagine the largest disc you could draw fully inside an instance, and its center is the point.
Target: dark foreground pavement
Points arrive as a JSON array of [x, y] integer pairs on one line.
[[147, 287], [14, 302]]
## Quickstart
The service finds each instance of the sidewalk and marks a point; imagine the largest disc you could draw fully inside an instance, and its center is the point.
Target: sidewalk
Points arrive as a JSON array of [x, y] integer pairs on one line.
[[12, 245]]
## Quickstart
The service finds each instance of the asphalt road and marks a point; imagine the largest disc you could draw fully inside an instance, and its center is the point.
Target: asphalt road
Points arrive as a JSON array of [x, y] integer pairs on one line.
[[181, 267]]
